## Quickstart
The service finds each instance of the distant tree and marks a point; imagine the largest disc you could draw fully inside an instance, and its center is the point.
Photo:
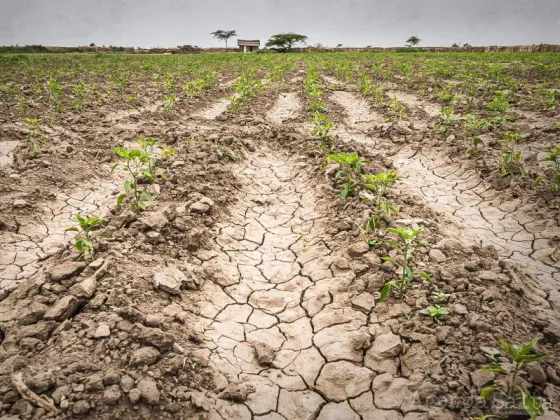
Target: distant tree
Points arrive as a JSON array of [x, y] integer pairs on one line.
[[413, 41], [338, 45], [455, 45], [466, 45], [318, 45], [92, 45], [285, 42], [224, 35]]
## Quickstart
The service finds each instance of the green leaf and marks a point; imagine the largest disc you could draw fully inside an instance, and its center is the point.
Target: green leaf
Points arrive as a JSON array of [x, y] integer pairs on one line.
[[532, 406], [392, 243], [148, 196], [390, 259], [120, 199], [114, 167], [426, 276], [493, 368], [127, 187], [385, 291], [141, 205], [485, 392], [344, 193], [71, 229]]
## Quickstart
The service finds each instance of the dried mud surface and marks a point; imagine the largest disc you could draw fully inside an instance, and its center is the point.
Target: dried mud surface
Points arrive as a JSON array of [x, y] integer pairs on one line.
[[246, 292]]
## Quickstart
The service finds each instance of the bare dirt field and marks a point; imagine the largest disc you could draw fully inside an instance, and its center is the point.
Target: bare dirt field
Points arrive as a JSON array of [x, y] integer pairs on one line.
[[280, 236]]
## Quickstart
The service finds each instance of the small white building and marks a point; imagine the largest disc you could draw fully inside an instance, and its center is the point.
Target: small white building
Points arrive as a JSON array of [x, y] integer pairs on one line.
[[246, 46]]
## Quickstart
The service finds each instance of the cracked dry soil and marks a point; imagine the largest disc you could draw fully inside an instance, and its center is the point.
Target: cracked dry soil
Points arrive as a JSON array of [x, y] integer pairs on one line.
[[279, 319]]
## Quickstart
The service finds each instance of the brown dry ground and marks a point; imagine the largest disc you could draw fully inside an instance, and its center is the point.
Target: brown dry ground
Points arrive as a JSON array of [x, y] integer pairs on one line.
[[274, 315]]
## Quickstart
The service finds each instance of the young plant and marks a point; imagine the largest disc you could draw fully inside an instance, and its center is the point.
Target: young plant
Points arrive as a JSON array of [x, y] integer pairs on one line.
[[553, 156], [437, 312], [519, 355], [405, 245], [499, 103], [441, 297], [136, 163], [84, 240], [148, 145], [511, 157], [322, 127], [34, 138], [381, 211], [350, 167], [474, 127], [447, 119], [379, 183]]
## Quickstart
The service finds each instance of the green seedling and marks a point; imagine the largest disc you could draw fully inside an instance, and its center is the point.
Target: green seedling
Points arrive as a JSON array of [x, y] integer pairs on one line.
[[441, 297], [148, 145], [437, 312], [447, 119], [519, 355], [511, 157], [85, 238], [474, 127], [379, 183], [499, 103], [169, 102], [553, 156], [322, 127], [350, 168], [405, 245], [34, 138], [398, 109], [136, 163]]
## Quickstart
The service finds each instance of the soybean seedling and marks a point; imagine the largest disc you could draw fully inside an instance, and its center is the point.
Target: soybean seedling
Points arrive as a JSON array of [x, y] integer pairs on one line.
[[499, 103], [148, 145], [441, 297], [34, 138], [474, 127], [322, 127], [447, 119], [553, 156], [84, 240], [519, 355], [511, 157], [405, 244], [438, 313], [379, 183], [136, 163], [350, 167]]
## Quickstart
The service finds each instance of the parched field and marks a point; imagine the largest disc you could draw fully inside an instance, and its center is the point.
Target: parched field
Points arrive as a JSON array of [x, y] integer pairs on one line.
[[280, 236]]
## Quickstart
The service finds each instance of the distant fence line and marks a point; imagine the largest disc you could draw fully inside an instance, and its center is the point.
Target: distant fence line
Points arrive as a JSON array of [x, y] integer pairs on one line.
[[188, 49]]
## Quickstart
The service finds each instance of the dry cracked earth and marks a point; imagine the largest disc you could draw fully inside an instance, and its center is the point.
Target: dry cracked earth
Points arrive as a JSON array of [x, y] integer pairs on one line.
[[269, 315]]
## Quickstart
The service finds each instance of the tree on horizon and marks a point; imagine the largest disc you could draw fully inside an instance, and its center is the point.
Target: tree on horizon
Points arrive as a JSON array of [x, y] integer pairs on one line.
[[224, 35]]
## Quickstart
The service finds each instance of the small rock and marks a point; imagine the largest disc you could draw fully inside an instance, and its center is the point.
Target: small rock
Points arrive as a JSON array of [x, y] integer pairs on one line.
[[81, 407], [152, 337], [264, 354], [144, 356], [235, 393], [481, 379], [156, 220], [112, 395], [127, 383], [358, 249], [66, 270], [94, 383], [97, 263], [460, 309], [41, 382], [200, 208], [437, 256], [364, 302], [20, 203], [536, 373], [102, 331], [154, 320], [111, 377], [63, 309], [134, 395], [169, 279], [148, 390]]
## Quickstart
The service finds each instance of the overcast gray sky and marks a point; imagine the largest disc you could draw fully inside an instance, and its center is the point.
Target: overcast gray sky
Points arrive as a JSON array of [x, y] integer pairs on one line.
[[152, 23]]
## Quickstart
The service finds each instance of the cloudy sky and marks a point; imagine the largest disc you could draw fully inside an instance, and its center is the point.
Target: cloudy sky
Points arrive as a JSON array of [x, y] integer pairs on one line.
[[152, 23]]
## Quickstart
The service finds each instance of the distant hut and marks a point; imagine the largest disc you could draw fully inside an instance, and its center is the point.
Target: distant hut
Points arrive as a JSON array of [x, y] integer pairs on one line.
[[246, 46]]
